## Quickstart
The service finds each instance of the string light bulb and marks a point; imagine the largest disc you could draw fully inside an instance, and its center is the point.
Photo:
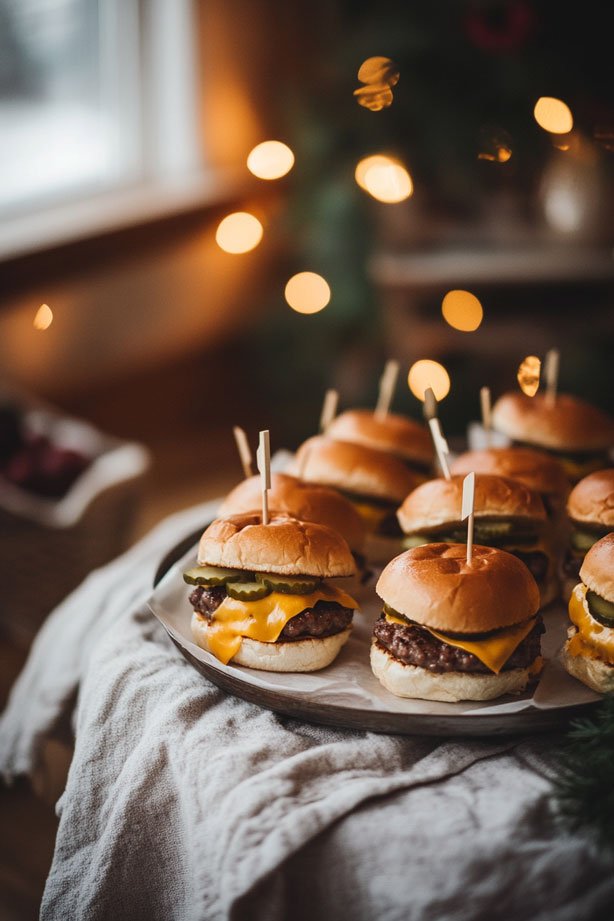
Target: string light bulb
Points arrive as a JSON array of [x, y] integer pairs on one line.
[[307, 292], [270, 160], [239, 232]]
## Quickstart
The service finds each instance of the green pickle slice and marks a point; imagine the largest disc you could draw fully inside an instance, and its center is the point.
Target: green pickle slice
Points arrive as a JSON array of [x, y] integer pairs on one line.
[[290, 585], [247, 591], [214, 575], [601, 610]]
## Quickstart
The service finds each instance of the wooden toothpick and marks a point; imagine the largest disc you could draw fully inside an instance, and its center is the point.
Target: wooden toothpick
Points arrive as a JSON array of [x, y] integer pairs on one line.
[[429, 407], [467, 511], [329, 409], [441, 446], [551, 373], [387, 384], [244, 452], [263, 459], [485, 405]]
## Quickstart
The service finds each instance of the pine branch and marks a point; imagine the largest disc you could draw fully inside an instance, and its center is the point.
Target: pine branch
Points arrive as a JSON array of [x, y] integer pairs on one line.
[[584, 789]]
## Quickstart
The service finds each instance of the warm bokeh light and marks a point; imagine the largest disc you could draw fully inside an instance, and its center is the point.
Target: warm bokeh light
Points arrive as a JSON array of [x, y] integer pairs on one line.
[[378, 70], [270, 160], [495, 145], [239, 232], [553, 115], [307, 292], [528, 375], [44, 317], [462, 310], [384, 178], [379, 76], [427, 373]]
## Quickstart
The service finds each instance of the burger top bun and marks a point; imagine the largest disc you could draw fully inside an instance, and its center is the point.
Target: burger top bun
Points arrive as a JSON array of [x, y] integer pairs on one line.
[[597, 570], [354, 469], [304, 501], [592, 499], [285, 546], [434, 586], [570, 424], [536, 469], [439, 502], [394, 434]]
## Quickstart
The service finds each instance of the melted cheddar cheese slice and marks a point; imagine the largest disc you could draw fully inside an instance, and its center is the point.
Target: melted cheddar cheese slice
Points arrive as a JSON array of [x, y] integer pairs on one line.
[[592, 639], [262, 620], [493, 651]]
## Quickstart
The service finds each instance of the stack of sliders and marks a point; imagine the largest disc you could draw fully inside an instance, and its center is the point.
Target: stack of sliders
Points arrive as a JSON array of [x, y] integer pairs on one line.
[[260, 597], [452, 630], [537, 470], [579, 435], [374, 482], [590, 508], [507, 515], [291, 496], [394, 434], [589, 652]]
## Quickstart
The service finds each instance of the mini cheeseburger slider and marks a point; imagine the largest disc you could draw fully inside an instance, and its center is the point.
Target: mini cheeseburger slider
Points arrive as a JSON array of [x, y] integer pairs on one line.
[[588, 654], [260, 596], [456, 631], [305, 501], [506, 515], [537, 470], [374, 482], [393, 434], [590, 508], [579, 435]]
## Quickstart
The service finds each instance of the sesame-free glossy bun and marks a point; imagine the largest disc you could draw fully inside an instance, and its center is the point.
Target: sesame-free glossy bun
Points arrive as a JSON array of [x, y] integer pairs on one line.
[[570, 424], [398, 435], [592, 499], [438, 502], [434, 586], [285, 546], [594, 672], [413, 681], [308, 655], [597, 570], [354, 469], [301, 500], [535, 469]]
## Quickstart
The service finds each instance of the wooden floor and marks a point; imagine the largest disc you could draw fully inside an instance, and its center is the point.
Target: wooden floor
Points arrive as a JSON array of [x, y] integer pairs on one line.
[[194, 460]]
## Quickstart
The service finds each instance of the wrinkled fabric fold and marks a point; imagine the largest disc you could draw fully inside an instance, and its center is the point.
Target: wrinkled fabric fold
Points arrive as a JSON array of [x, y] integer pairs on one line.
[[185, 803]]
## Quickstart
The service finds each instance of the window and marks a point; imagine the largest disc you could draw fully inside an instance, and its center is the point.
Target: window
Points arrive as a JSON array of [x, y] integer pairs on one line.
[[98, 104]]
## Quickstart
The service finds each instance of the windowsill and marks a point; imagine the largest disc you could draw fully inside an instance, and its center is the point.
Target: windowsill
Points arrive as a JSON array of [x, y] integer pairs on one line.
[[118, 210]]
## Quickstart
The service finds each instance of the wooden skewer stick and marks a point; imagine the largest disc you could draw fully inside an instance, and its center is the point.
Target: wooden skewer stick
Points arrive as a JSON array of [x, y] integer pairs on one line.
[[429, 407], [387, 384], [551, 373], [329, 409], [263, 459], [486, 408], [441, 446], [467, 512], [244, 452]]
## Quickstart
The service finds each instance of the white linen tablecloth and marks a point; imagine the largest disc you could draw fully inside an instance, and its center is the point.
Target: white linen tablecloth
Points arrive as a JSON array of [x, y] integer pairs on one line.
[[184, 803]]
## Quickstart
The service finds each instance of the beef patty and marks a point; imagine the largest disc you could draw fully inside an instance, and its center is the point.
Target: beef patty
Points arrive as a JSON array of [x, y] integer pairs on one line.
[[325, 618], [413, 645]]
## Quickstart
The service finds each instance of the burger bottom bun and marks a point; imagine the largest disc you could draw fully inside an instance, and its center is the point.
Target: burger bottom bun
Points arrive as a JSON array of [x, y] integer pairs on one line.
[[380, 549], [300, 656], [595, 673], [412, 681]]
